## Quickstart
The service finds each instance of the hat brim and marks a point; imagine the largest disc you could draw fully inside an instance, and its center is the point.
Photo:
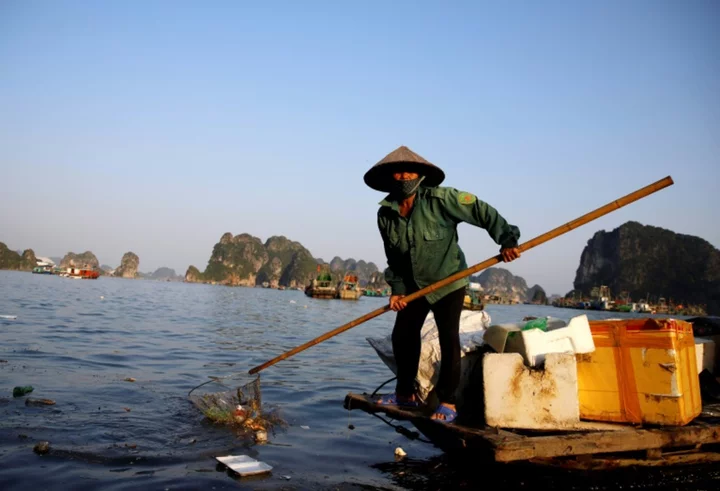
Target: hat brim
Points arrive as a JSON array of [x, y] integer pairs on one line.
[[380, 177]]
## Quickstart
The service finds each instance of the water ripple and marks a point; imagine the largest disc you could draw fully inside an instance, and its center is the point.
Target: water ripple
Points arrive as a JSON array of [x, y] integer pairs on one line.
[[77, 342]]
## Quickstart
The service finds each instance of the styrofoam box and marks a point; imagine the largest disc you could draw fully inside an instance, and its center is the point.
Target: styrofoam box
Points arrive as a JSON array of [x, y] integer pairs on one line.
[[534, 344], [517, 396]]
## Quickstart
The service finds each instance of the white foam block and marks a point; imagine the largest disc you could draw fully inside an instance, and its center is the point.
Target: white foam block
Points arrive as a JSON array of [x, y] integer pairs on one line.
[[520, 397], [534, 344], [244, 465], [705, 353]]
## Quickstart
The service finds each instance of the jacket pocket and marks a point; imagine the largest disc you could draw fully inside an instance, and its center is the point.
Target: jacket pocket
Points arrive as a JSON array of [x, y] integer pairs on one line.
[[434, 234]]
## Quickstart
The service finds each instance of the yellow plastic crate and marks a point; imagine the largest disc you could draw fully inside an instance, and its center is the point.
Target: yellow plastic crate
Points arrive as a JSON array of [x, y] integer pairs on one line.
[[642, 371]]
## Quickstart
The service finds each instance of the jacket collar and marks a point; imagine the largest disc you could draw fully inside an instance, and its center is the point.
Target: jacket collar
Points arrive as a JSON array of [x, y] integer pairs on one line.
[[393, 204]]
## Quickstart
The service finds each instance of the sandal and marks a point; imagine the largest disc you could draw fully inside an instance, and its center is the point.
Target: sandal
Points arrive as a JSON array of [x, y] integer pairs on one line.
[[449, 414], [392, 400]]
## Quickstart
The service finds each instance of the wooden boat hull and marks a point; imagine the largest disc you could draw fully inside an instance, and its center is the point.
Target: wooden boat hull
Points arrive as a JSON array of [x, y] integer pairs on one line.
[[471, 306], [624, 445], [349, 294], [320, 293]]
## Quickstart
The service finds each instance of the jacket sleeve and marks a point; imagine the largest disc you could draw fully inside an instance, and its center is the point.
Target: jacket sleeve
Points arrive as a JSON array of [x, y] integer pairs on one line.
[[392, 276], [466, 207]]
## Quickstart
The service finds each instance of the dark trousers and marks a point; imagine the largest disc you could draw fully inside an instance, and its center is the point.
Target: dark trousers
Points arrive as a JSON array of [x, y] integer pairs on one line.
[[406, 343]]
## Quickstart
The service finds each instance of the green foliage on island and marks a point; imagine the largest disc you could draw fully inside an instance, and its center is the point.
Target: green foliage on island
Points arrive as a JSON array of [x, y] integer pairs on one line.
[[644, 260], [18, 262], [244, 260]]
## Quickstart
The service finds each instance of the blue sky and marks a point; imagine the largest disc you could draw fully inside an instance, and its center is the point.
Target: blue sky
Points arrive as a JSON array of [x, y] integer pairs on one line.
[[158, 126]]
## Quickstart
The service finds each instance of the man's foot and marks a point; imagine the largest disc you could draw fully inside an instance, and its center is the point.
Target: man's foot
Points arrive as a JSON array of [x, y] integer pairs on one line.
[[396, 400], [445, 412]]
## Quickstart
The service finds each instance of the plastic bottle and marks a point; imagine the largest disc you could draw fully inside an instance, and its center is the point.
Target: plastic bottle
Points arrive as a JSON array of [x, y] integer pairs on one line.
[[240, 414]]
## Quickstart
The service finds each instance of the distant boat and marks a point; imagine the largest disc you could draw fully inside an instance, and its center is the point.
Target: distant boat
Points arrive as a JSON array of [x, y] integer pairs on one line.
[[42, 270], [321, 286], [472, 300], [80, 273], [349, 288]]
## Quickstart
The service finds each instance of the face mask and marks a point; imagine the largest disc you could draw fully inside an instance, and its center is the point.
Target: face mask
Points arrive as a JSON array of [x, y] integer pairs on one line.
[[405, 189]]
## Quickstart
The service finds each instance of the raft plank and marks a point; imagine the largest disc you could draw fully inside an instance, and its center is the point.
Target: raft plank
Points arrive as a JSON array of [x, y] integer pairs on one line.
[[617, 462], [491, 435], [605, 442], [509, 446]]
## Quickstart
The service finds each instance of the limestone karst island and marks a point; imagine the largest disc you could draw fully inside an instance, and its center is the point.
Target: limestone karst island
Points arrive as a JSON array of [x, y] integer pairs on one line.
[[633, 268]]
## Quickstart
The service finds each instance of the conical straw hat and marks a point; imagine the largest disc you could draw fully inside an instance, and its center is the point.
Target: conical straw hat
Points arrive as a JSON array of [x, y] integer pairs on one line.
[[402, 159]]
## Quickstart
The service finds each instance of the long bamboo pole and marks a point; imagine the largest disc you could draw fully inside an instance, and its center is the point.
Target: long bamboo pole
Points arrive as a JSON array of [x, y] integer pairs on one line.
[[588, 217]]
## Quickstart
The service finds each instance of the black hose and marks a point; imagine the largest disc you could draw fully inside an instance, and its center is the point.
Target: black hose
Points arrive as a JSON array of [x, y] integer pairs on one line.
[[381, 386]]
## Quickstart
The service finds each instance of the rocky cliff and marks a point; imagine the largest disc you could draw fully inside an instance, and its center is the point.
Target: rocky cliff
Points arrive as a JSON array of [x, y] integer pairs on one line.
[[243, 260], [366, 272], [84, 260], [536, 295], [502, 283], [642, 259], [164, 274], [18, 262], [289, 263], [128, 266], [377, 282]]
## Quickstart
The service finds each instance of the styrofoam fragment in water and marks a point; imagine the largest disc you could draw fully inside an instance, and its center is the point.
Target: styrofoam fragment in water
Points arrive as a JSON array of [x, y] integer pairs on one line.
[[244, 465]]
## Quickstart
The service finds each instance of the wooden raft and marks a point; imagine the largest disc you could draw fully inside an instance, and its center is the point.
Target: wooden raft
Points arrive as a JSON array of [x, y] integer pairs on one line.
[[623, 445]]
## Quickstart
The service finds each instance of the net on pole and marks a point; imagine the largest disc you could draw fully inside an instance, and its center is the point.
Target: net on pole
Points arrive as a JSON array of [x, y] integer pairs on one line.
[[238, 406]]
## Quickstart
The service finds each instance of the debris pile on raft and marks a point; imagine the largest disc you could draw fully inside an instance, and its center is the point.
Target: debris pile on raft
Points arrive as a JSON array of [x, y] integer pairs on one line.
[[239, 407]]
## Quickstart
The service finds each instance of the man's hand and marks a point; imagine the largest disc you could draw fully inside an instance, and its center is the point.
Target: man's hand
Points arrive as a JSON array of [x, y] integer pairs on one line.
[[510, 254], [396, 303]]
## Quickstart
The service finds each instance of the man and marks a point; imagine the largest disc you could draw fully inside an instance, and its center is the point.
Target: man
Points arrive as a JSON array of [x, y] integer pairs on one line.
[[418, 224]]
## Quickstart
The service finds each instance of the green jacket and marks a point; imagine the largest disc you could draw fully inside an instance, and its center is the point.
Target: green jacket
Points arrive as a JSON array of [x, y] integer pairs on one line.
[[423, 248]]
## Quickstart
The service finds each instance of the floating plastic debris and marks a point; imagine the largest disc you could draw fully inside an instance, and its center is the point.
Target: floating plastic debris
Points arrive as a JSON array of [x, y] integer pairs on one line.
[[22, 390], [8, 317], [261, 436], [41, 448], [239, 407], [240, 414], [39, 402], [244, 465], [399, 452], [304, 427]]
